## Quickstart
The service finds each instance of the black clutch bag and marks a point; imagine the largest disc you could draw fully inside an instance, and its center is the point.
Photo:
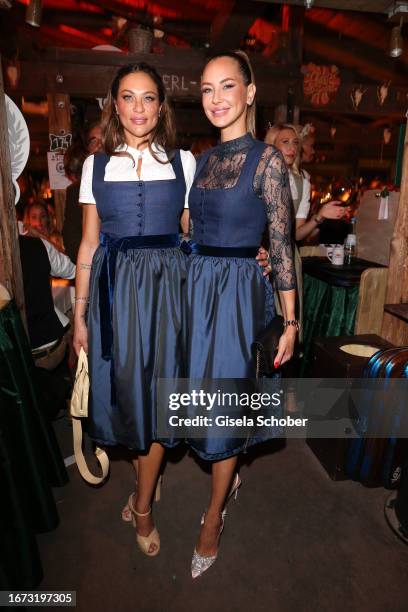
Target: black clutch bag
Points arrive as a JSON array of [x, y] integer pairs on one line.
[[265, 347]]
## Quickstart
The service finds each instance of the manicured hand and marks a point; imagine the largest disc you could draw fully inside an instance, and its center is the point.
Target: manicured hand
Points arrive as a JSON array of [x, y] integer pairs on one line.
[[332, 210], [264, 261], [80, 336], [286, 346]]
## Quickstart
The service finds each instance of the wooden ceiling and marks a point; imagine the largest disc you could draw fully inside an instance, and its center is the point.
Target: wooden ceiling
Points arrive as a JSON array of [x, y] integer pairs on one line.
[[84, 24], [367, 6], [354, 35]]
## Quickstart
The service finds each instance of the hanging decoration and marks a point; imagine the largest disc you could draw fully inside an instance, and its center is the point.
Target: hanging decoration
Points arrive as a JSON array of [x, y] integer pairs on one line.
[[320, 83], [13, 73], [387, 133], [382, 92], [356, 96], [101, 102], [307, 130]]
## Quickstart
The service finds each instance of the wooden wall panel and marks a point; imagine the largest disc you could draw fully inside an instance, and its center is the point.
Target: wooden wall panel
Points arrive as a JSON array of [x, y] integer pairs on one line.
[[10, 265]]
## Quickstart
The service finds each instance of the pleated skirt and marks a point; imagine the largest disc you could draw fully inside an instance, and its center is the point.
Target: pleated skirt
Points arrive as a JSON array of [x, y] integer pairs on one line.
[[230, 303], [149, 342]]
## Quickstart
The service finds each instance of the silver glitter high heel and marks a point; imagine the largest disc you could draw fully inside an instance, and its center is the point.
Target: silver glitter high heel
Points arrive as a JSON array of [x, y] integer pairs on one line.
[[199, 563]]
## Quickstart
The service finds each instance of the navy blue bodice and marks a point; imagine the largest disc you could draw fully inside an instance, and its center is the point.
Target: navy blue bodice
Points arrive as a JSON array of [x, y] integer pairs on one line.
[[138, 208], [233, 217]]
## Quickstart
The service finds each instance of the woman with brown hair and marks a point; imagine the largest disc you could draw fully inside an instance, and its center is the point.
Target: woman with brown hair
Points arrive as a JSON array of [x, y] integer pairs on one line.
[[132, 272]]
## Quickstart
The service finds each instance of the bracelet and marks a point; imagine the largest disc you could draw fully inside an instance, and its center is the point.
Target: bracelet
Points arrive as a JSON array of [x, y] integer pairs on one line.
[[293, 322], [81, 299], [318, 221]]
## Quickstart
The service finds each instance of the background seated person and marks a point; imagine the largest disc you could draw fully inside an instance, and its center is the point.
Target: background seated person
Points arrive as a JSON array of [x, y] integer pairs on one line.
[[40, 222], [47, 330]]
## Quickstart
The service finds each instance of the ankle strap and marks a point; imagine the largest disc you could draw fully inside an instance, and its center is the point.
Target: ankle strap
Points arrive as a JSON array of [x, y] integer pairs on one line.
[[143, 513]]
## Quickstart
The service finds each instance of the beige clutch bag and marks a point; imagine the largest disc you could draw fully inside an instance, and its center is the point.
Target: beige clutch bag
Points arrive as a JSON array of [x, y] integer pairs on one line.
[[79, 410]]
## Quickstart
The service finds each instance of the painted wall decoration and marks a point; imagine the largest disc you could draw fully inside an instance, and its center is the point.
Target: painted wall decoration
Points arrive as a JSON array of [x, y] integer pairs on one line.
[[19, 142], [320, 83]]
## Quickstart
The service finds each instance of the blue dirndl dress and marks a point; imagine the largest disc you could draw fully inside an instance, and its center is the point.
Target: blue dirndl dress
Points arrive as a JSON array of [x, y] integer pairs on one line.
[[137, 309], [230, 302]]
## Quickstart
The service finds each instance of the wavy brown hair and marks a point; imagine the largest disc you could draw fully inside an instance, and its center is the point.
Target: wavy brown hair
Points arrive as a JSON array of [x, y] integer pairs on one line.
[[163, 135], [248, 76]]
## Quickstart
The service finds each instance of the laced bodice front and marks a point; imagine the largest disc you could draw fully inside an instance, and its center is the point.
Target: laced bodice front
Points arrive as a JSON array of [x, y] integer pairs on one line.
[[220, 169]]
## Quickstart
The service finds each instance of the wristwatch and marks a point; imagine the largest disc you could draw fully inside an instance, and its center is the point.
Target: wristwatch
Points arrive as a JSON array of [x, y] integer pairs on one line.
[[292, 323]]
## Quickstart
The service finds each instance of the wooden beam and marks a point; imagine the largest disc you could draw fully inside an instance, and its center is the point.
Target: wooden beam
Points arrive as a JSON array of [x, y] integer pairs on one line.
[[366, 6], [190, 11], [59, 124], [350, 58], [230, 27], [10, 264], [393, 329], [371, 33], [296, 29], [88, 74], [356, 55]]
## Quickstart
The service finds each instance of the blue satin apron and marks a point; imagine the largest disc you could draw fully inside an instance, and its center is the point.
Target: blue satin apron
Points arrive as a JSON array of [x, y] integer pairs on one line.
[[229, 300], [137, 312]]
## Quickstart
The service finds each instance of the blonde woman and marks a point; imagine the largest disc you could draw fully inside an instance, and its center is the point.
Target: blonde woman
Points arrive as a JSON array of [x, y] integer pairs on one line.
[[286, 138], [242, 185]]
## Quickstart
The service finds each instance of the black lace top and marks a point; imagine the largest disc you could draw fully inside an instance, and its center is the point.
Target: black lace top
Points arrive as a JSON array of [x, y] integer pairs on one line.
[[222, 170]]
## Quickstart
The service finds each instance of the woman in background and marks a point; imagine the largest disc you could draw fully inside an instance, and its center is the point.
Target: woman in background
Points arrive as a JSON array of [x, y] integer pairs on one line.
[[285, 137], [39, 222]]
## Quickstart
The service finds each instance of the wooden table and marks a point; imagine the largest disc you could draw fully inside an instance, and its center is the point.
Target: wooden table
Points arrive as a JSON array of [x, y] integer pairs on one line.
[[398, 310], [341, 300]]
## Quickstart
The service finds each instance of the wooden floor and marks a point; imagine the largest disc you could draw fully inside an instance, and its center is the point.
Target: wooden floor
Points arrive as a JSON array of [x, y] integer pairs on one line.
[[294, 541]]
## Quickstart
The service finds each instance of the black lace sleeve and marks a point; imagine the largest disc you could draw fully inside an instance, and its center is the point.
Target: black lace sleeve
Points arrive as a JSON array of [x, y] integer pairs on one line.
[[271, 182]]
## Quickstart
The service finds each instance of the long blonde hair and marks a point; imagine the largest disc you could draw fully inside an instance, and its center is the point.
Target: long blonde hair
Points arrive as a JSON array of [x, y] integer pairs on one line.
[[272, 135], [248, 76]]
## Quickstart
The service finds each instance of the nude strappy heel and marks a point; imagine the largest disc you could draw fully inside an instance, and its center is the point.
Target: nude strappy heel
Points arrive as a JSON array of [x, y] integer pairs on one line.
[[144, 542], [126, 511]]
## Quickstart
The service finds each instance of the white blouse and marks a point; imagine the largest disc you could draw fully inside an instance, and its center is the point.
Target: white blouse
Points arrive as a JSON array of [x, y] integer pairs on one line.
[[124, 169], [304, 206]]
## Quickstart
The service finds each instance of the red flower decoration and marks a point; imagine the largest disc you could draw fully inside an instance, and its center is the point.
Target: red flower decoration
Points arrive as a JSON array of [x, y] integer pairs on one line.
[[320, 83]]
